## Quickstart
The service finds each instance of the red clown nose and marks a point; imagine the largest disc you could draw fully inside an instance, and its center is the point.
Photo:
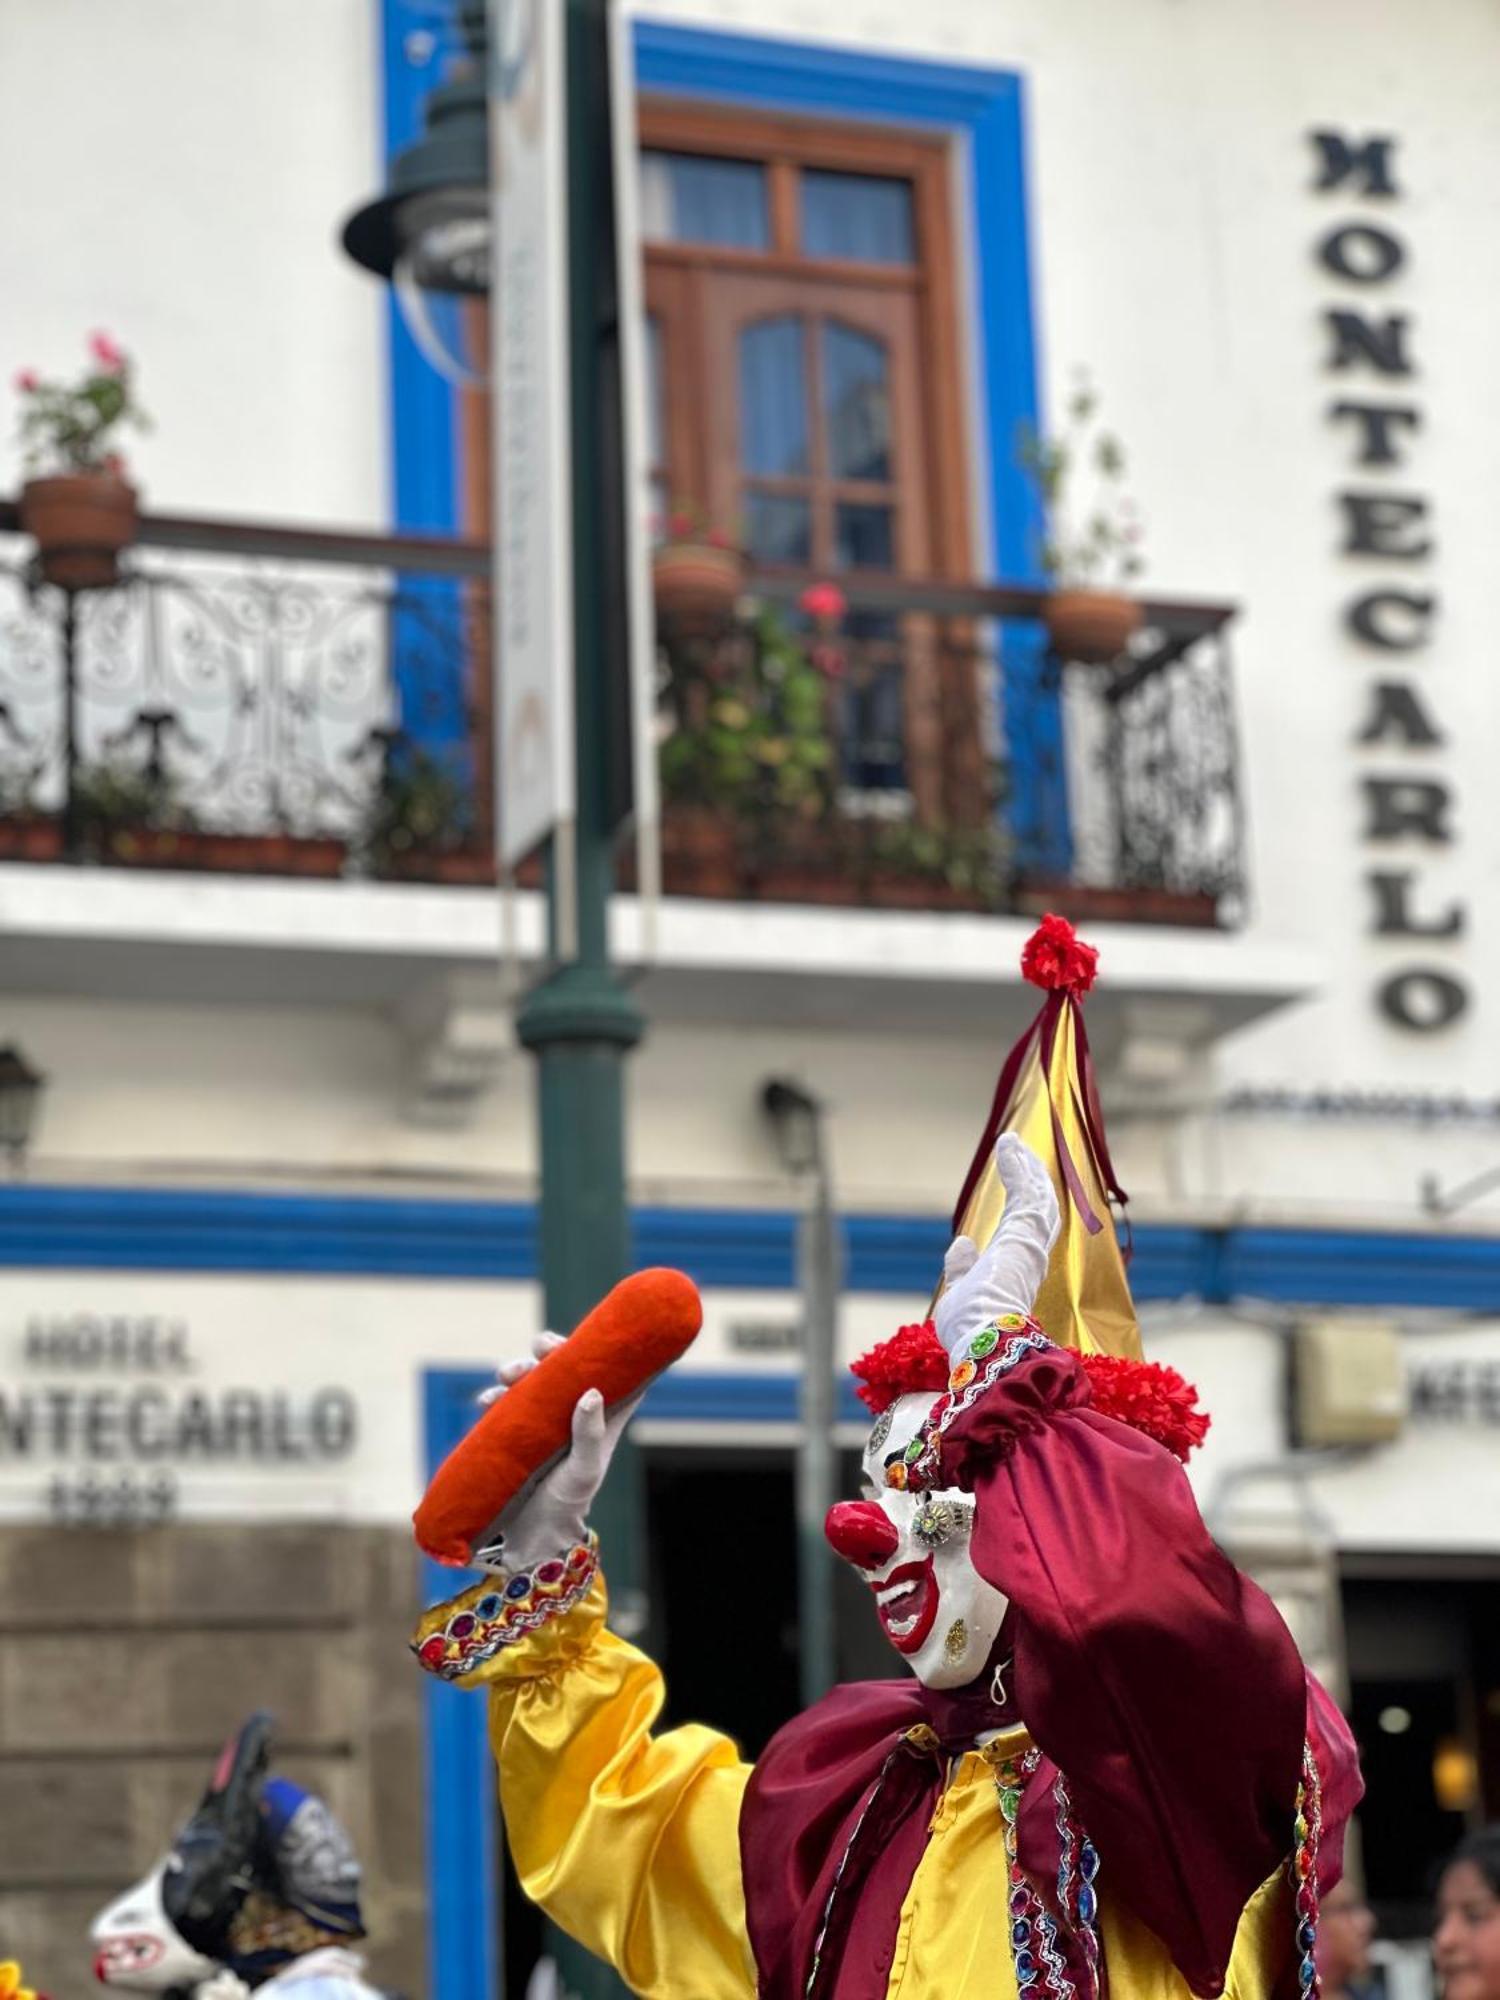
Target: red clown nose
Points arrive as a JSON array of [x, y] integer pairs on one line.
[[861, 1533]]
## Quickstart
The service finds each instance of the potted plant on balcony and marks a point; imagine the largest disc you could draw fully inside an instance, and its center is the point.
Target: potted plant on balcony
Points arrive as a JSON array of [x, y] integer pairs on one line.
[[76, 502], [420, 821], [697, 575], [123, 812], [25, 833], [1090, 549], [747, 762], [912, 865]]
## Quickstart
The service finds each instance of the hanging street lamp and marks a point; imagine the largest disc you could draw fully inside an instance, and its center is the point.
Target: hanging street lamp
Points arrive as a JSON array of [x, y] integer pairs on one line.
[[428, 234]]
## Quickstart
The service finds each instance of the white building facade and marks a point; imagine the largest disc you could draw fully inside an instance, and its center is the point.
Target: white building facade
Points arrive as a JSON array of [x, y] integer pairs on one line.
[[278, 1210]]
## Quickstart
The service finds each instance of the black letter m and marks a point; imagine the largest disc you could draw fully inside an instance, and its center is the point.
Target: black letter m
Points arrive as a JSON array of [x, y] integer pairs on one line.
[[1338, 160]]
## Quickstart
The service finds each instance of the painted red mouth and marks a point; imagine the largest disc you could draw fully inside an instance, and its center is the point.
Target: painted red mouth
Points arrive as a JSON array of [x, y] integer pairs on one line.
[[907, 1601], [130, 1953]]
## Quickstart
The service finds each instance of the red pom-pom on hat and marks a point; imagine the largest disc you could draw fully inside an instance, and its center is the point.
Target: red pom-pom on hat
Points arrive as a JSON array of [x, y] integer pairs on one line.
[[1056, 958], [911, 1362], [1150, 1397]]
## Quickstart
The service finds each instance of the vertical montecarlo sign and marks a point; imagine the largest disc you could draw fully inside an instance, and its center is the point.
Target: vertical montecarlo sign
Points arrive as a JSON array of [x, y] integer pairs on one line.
[[1387, 529]]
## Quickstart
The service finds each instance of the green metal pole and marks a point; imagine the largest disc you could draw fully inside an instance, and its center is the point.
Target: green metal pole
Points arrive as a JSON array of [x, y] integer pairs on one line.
[[580, 1021]]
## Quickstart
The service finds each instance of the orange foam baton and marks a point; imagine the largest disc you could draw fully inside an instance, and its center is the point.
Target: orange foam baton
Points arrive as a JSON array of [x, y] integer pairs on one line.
[[639, 1329]]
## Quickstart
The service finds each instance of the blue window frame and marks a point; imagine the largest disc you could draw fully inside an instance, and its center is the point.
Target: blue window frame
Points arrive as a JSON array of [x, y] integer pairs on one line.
[[984, 111]]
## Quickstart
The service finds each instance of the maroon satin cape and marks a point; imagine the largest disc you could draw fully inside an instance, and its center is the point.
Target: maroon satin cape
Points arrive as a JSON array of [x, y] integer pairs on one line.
[[1160, 1680]]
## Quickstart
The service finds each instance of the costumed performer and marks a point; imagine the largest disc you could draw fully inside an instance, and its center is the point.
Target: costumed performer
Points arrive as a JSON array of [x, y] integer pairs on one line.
[[1108, 1771], [259, 1892]]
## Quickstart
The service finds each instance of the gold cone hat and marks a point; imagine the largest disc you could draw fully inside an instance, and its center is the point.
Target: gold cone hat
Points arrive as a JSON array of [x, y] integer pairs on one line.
[[1047, 1096]]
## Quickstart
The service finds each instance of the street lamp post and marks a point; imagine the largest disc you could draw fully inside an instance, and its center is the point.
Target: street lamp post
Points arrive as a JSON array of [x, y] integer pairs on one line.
[[796, 1119], [431, 233]]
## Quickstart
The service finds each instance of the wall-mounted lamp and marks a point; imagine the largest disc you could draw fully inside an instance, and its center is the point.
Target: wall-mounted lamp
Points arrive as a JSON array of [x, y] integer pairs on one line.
[[20, 1088], [796, 1119]]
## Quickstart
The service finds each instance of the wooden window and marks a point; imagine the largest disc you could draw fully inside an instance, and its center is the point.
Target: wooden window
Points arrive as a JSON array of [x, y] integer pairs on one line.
[[805, 386]]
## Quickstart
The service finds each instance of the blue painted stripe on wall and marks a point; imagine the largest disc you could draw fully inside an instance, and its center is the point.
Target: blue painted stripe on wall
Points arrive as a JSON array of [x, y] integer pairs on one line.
[[696, 1396], [93, 1228]]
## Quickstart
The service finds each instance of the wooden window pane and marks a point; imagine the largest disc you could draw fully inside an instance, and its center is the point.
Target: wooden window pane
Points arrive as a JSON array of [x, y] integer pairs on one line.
[[773, 397], [695, 198], [872, 748], [656, 430], [856, 404], [863, 536], [863, 217], [778, 528]]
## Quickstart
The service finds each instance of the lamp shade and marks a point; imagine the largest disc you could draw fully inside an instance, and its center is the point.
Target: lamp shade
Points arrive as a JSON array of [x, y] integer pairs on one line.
[[20, 1086]]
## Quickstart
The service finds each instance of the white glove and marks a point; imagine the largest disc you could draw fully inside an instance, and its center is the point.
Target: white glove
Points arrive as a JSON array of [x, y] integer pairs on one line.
[[1007, 1277], [550, 1519], [223, 1986]]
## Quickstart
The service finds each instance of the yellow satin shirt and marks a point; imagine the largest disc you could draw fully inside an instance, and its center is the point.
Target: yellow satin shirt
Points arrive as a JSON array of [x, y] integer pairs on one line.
[[630, 1841]]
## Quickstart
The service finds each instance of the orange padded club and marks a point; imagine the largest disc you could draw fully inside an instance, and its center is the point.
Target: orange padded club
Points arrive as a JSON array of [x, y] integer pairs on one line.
[[639, 1329]]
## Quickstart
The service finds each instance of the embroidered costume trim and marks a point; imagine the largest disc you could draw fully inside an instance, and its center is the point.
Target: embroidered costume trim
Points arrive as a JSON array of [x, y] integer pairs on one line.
[[920, 1467], [1040, 1968], [1304, 1872], [1077, 1868], [507, 1610]]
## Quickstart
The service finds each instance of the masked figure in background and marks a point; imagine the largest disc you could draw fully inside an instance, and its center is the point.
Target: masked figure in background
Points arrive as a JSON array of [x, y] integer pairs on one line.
[[260, 1892], [1109, 1772]]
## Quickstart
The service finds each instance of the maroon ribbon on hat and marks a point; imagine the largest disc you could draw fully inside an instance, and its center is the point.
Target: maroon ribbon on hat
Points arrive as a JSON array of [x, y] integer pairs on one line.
[[1044, 1029]]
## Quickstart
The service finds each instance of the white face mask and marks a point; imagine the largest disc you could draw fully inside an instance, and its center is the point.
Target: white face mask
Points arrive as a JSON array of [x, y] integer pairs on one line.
[[913, 1551], [137, 1947]]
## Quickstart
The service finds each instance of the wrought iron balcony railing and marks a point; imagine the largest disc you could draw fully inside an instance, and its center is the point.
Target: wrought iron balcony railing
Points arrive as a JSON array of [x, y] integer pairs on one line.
[[927, 750], [285, 701], [249, 698]]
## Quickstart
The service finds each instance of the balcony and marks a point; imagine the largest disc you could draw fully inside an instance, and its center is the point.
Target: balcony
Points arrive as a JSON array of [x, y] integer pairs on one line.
[[924, 751], [259, 771], [250, 701], [278, 702]]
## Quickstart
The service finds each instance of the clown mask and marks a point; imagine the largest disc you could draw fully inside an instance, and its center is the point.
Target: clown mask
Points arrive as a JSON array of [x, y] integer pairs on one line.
[[913, 1551], [912, 1548]]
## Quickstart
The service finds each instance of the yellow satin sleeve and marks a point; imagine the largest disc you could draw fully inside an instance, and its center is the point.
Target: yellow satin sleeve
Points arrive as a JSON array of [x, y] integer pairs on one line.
[[629, 1841]]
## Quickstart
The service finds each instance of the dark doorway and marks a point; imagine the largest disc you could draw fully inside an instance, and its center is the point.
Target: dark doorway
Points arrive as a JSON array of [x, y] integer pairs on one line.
[[1424, 1675], [723, 1577]]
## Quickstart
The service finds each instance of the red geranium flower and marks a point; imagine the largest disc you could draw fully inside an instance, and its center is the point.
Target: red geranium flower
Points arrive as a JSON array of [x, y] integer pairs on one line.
[[108, 353], [823, 601]]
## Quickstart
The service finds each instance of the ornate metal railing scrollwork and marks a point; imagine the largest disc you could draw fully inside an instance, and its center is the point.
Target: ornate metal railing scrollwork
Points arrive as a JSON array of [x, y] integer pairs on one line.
[[242, 691]]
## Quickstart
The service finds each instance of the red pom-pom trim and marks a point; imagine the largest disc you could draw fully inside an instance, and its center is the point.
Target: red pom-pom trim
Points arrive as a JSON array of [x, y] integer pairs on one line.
[[1150, 1397], [1147, 1395], [911, 1362], [1056, 958]]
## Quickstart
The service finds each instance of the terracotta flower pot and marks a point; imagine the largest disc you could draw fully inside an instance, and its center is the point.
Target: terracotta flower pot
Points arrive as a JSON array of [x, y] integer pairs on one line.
[[465, 866], [696, 585], [1194, 909], [29, 836], [1092, 627], [80, 521], [700, 853]]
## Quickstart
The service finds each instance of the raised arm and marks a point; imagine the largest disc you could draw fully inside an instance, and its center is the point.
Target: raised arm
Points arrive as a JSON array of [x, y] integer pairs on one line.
[[629, 1840]]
